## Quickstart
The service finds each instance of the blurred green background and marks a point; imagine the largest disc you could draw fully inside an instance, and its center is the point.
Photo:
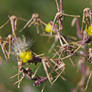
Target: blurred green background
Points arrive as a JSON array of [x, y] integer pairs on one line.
[[47, 10]]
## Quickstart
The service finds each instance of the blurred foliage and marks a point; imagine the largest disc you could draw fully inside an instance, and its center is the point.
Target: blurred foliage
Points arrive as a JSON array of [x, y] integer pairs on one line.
[[47, 10]]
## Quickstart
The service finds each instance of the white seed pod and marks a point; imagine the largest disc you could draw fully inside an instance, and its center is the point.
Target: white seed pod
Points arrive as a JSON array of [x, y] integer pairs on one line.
[[20, 45]]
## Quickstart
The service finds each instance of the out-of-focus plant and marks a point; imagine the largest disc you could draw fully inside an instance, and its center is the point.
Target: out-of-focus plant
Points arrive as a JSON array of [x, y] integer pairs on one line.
[[66, 48]]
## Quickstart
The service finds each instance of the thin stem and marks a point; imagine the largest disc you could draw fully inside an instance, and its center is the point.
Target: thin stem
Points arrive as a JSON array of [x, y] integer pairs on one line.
[[45, 68], [4, 24], [88, 81], [26, 24], [76, 16]]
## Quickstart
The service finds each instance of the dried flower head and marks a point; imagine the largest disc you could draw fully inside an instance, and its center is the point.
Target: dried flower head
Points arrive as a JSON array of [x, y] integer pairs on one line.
[[86, 15]]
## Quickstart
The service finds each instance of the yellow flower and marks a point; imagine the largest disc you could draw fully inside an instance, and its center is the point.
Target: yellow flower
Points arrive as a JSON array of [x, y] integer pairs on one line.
[[89, 30], [25, 56], [49, 28]]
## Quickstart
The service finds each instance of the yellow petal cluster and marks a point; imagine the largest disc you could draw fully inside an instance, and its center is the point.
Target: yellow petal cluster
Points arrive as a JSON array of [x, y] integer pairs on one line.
[[89, 30], [49, 28], [25, 56]]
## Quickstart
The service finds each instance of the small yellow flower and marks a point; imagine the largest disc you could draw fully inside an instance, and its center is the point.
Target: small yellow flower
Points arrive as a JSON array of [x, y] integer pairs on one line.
[[89, 30], [25, 56], [49, 28]]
